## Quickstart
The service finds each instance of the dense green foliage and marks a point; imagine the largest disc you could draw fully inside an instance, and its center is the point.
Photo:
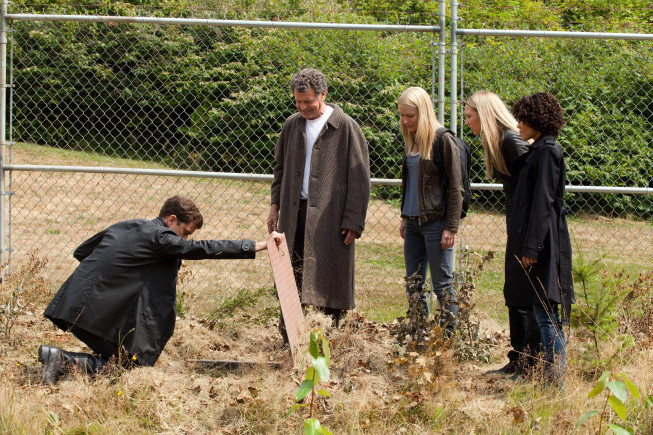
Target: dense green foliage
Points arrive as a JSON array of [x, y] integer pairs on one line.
[[215, 98]]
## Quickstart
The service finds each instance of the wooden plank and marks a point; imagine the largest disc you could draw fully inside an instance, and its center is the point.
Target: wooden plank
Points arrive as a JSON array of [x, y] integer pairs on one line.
[[291, 307]]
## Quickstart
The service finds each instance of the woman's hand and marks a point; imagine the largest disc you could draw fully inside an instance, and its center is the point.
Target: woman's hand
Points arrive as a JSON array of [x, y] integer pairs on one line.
[[448, 239], [402, 228], [528, 262]]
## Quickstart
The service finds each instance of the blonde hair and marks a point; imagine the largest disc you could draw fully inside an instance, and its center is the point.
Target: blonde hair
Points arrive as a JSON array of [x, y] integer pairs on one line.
[[495, 120], [427, 122]]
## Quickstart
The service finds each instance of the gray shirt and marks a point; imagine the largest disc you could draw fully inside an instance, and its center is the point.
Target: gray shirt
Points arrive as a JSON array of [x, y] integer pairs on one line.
[[410, 202]]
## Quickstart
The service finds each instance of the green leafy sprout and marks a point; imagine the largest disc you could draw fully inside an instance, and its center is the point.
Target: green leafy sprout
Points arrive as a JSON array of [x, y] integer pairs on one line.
[[320, 358], [617, 397]]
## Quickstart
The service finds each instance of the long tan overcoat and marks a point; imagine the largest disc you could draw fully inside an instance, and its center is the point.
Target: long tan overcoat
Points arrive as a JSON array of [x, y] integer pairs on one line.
[[338, 193]]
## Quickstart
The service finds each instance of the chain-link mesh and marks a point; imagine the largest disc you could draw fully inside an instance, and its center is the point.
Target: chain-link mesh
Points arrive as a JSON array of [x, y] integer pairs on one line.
[[194, 98], [215, 98], [606, 89]]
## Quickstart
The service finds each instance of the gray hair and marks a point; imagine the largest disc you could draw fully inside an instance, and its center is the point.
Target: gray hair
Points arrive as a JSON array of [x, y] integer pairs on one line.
[[308, 78]]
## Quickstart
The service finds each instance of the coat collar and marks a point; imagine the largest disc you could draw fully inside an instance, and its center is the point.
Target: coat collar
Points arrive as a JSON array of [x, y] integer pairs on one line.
[[159, 221], [543, 139]]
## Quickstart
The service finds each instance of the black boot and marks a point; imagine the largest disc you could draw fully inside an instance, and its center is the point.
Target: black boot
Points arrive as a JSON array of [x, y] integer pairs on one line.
[[53, 366], [89, 364], [511, 368], [57, 362]]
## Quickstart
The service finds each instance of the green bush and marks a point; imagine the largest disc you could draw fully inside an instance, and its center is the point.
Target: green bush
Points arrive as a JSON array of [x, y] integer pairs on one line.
[[215, 98]]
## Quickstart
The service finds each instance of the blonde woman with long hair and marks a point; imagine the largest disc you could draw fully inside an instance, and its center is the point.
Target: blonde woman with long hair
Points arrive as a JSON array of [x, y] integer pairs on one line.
[[430, 213], [487, 116]]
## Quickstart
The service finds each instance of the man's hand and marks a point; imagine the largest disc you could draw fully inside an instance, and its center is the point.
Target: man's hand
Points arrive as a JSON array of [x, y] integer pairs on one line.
[[278, 237], [273, 218], [402, 228], [528, 262], [448, 239], [350, 237]]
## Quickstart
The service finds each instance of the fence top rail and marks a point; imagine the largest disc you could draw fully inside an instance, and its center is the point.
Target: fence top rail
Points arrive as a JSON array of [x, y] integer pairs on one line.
[[266, 177], [556, 34], [221, 23]]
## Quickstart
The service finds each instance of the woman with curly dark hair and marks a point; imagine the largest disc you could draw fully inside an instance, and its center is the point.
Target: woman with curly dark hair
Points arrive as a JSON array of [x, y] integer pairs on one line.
[[538, 252], [487, 116]]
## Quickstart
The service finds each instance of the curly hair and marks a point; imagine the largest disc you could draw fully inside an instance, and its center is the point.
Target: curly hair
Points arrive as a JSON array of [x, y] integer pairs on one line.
[[185, 210], [308, 78], [541, 112]]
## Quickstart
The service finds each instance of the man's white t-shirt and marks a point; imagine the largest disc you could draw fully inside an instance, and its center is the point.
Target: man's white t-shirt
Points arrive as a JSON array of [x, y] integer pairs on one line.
[[313, 129]]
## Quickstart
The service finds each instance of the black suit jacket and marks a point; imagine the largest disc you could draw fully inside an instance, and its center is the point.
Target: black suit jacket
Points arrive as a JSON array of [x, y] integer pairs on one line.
[[124, 289]]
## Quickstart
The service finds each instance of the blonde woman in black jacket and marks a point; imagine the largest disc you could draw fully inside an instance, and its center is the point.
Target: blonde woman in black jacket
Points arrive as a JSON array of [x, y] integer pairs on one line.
[[487, 116]]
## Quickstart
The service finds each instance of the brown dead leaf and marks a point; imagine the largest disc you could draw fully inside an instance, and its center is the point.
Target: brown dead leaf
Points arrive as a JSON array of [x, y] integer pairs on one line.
[[196, 389], [519, 414]]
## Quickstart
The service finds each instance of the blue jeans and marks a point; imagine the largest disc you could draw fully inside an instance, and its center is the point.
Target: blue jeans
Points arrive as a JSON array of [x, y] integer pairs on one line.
[[553, 341], [423, 250]]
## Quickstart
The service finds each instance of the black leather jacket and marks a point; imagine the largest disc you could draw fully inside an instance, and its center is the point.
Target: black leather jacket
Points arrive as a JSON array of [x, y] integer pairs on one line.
[[431, 202], [124, 288]]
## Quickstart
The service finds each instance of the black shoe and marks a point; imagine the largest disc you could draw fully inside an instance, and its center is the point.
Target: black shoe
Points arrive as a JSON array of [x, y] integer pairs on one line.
[[57, 362], [53, 363], [509, 369]]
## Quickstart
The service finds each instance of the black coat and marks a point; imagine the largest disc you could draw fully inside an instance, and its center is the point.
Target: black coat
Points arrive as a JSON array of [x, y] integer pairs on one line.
[[124, 289], [512, 146], [537, 228]]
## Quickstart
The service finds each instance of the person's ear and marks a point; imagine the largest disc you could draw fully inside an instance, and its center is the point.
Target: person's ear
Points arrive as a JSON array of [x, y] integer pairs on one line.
[[170, 220]]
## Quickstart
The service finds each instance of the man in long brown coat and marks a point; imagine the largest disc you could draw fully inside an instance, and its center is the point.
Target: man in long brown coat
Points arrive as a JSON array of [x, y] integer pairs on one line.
[[320, 193]]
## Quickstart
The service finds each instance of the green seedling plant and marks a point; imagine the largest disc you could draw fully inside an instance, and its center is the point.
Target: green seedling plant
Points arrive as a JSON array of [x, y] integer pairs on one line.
[[320, 357], [617, 397]]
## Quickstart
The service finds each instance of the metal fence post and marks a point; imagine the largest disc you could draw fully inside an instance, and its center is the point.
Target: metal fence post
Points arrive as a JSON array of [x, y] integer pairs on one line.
[[441, 59], [3, 120], [454, 65]]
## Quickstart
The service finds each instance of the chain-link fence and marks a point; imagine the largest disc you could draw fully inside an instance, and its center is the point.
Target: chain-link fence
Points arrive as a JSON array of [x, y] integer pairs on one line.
[[605, 84], [119, 116]]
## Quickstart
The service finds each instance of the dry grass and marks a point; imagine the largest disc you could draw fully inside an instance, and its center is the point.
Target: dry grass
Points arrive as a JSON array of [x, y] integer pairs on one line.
[[377, 387]]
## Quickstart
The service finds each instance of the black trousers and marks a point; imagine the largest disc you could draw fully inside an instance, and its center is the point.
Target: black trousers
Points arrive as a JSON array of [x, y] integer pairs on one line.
[[101, 347], [297, 257], [524, 336]]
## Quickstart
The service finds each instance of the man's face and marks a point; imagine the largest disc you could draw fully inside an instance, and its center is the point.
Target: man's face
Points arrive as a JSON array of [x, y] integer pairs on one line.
[[183, 230], [310, 104]]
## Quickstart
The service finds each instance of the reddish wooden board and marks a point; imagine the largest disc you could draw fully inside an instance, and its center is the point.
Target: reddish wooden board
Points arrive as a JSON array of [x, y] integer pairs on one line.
[[284, 279]]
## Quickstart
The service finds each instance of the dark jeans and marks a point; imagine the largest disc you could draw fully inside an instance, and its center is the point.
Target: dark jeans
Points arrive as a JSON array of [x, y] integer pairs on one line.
[[553, 341], [524, 336], [423, 251]]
